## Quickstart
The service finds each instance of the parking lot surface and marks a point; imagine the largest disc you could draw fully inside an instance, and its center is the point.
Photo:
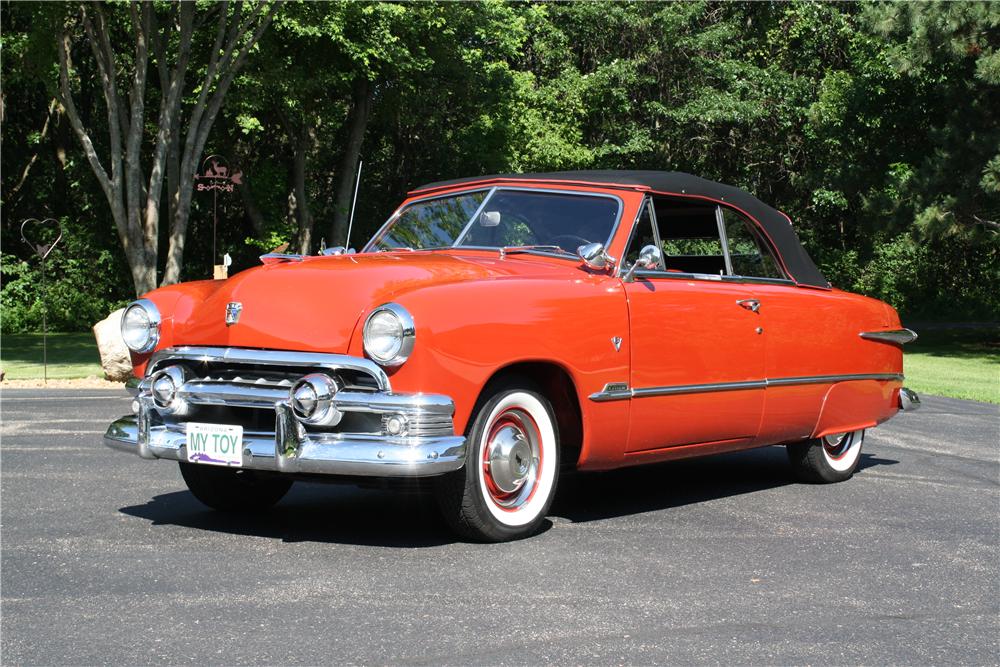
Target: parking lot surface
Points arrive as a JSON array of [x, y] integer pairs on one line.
[[107, 558]]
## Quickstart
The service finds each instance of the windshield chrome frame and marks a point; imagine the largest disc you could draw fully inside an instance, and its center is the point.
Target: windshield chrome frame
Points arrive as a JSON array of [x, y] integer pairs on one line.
[[490, 191]]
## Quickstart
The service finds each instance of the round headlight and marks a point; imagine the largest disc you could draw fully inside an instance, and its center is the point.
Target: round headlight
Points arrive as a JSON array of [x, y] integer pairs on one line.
[[141, 326], [389, 335]]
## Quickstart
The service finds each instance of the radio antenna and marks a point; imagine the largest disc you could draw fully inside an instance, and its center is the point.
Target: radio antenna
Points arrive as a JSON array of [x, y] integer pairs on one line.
[[354, 201]]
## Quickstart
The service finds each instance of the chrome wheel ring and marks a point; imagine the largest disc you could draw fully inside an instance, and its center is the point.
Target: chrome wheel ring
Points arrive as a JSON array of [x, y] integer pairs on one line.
[[842, 450], [511, 459]]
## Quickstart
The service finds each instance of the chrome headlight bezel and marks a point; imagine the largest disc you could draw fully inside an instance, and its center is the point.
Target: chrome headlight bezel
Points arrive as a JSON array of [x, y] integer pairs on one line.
[[405, 339], [153, 326]]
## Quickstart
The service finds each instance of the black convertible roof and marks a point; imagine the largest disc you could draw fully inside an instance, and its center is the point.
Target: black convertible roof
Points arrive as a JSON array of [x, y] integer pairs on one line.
[[775, 224]]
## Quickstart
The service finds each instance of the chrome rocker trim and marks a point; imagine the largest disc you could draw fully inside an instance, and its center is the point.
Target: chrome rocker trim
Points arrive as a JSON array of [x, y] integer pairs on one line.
[[897, 336], [616, 391]]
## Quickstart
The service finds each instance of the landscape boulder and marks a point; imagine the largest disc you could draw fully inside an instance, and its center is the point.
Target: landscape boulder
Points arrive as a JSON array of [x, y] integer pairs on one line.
[[115, 359]]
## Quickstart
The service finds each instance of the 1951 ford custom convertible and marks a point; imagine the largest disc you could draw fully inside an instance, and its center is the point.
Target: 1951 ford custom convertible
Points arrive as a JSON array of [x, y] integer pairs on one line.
[[500, 329]]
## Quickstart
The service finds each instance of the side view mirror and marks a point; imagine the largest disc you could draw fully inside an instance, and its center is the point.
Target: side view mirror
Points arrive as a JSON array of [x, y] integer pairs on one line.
[[489, 219], [594, 256], [650, 257]]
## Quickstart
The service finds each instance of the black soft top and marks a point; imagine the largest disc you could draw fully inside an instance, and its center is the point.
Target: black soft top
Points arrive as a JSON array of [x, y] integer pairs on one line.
[[775, 224]]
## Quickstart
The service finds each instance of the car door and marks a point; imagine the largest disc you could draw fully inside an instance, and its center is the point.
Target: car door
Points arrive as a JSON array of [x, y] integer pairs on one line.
[[697, 360]]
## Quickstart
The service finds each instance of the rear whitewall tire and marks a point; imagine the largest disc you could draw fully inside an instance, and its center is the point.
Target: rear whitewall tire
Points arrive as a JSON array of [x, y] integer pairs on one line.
[[832, 458]]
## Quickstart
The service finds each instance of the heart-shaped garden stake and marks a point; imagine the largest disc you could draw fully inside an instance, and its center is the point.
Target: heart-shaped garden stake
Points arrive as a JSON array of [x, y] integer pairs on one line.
[[45, 234]]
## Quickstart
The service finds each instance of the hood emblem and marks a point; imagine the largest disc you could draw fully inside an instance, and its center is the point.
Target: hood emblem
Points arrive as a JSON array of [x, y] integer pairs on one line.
[[617, 342], [233, 310]]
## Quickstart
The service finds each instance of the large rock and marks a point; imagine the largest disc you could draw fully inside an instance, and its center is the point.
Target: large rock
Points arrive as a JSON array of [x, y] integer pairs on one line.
[[115, 359]]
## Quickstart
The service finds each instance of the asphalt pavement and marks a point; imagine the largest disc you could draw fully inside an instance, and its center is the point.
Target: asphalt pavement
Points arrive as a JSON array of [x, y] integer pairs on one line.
[[107, 559]]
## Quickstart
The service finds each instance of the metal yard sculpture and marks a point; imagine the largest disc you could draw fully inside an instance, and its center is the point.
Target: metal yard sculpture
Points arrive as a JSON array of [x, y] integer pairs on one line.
[[42, 237]]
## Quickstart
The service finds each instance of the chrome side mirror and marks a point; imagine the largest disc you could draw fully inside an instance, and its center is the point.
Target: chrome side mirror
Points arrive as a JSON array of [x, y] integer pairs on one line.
[[650, 257], [594, 256]]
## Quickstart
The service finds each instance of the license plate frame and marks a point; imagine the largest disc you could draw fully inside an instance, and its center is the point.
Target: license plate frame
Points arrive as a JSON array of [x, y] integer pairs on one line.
[[214, 444]]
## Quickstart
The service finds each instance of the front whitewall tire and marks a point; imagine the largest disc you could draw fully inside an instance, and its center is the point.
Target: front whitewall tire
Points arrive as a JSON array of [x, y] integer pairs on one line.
[[526, 512]]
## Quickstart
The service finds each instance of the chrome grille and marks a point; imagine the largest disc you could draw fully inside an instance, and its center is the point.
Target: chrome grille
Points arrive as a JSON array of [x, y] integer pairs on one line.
[[239, 386]]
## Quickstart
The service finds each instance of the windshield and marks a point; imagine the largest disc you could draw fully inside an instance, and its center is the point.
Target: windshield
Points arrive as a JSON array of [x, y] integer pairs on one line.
[[501, 218]]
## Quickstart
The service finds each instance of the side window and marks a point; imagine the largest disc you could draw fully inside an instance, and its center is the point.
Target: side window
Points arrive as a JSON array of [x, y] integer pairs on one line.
[[689, 236], [641, 237], [748, 252]]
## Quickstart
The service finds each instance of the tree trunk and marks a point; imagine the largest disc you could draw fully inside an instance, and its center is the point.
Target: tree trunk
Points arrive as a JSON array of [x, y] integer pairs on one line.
[[303, 145], [257, 220], [222, 68], [346, 174]]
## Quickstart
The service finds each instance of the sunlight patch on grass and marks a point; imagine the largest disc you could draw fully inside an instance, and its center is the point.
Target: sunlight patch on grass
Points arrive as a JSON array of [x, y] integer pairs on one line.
[[70, 355]]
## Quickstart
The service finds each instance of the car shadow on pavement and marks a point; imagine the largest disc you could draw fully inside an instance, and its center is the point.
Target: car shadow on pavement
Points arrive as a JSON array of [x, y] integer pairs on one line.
[[314, 512], [342, 514], [649, 488]]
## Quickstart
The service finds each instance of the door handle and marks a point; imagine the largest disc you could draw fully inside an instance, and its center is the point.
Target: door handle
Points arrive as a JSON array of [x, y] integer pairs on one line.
[[750, 304]]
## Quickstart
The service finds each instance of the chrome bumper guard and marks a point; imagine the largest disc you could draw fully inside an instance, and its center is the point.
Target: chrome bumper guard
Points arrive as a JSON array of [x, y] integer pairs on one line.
[[428, 448], [908, 400]]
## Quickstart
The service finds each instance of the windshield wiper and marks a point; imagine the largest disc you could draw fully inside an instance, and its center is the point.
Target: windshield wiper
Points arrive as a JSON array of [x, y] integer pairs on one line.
[[507, 250]]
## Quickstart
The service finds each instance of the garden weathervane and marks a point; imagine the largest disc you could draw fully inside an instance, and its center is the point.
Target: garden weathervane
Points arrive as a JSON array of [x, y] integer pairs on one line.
[[215, 176], [45, 234]]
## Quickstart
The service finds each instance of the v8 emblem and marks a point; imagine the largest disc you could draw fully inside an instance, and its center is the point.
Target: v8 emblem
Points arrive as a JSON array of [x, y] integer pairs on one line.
[[617, 342]]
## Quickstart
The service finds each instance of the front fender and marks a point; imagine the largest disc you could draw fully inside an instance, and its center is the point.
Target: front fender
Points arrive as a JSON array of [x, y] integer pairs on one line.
[[466, 332]]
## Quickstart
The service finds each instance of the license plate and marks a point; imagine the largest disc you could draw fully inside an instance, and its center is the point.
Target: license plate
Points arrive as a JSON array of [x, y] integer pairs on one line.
[[215, 444]]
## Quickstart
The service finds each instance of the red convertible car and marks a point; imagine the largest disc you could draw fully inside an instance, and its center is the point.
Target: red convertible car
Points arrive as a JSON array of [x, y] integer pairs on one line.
[[499, 330]]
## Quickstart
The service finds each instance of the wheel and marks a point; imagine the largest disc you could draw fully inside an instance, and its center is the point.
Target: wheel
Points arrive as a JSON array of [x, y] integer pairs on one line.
[[512, 460], [832, 458], [231, 490]]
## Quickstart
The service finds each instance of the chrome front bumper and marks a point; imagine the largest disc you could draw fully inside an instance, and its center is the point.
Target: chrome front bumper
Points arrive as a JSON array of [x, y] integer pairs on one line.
[[428, 448], [298, 452]]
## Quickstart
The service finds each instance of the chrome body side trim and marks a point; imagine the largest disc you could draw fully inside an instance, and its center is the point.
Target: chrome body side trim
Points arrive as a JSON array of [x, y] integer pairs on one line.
[[897, 336], [246, 356], [823, 379], [614, 391]]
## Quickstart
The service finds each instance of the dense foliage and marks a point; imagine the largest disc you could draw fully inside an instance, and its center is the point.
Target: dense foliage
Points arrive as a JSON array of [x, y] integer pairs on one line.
[[876, 127]]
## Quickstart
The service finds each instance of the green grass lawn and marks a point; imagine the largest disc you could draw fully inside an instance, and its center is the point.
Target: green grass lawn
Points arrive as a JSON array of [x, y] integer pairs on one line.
[[71, 355], [960, 363]]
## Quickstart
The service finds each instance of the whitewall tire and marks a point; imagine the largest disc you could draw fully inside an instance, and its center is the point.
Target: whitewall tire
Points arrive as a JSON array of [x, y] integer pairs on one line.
[[511, 469], [832, 458]]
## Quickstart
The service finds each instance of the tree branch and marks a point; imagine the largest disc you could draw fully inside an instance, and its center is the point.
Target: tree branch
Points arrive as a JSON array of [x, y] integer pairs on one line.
[[66, 100]]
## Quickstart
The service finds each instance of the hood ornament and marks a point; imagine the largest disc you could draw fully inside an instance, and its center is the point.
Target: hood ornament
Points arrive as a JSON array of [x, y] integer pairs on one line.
[[233, 310]]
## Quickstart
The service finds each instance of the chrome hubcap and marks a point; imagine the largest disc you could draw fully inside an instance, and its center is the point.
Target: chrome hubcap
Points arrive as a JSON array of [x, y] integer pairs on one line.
[[511, 459], [509, 456], [838, 444]]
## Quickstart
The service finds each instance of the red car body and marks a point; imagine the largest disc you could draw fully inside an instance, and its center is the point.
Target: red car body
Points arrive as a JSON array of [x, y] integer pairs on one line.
[[666, 366]]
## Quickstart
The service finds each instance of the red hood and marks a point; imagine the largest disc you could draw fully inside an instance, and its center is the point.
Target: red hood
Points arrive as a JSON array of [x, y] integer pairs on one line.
[[316, 304]]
